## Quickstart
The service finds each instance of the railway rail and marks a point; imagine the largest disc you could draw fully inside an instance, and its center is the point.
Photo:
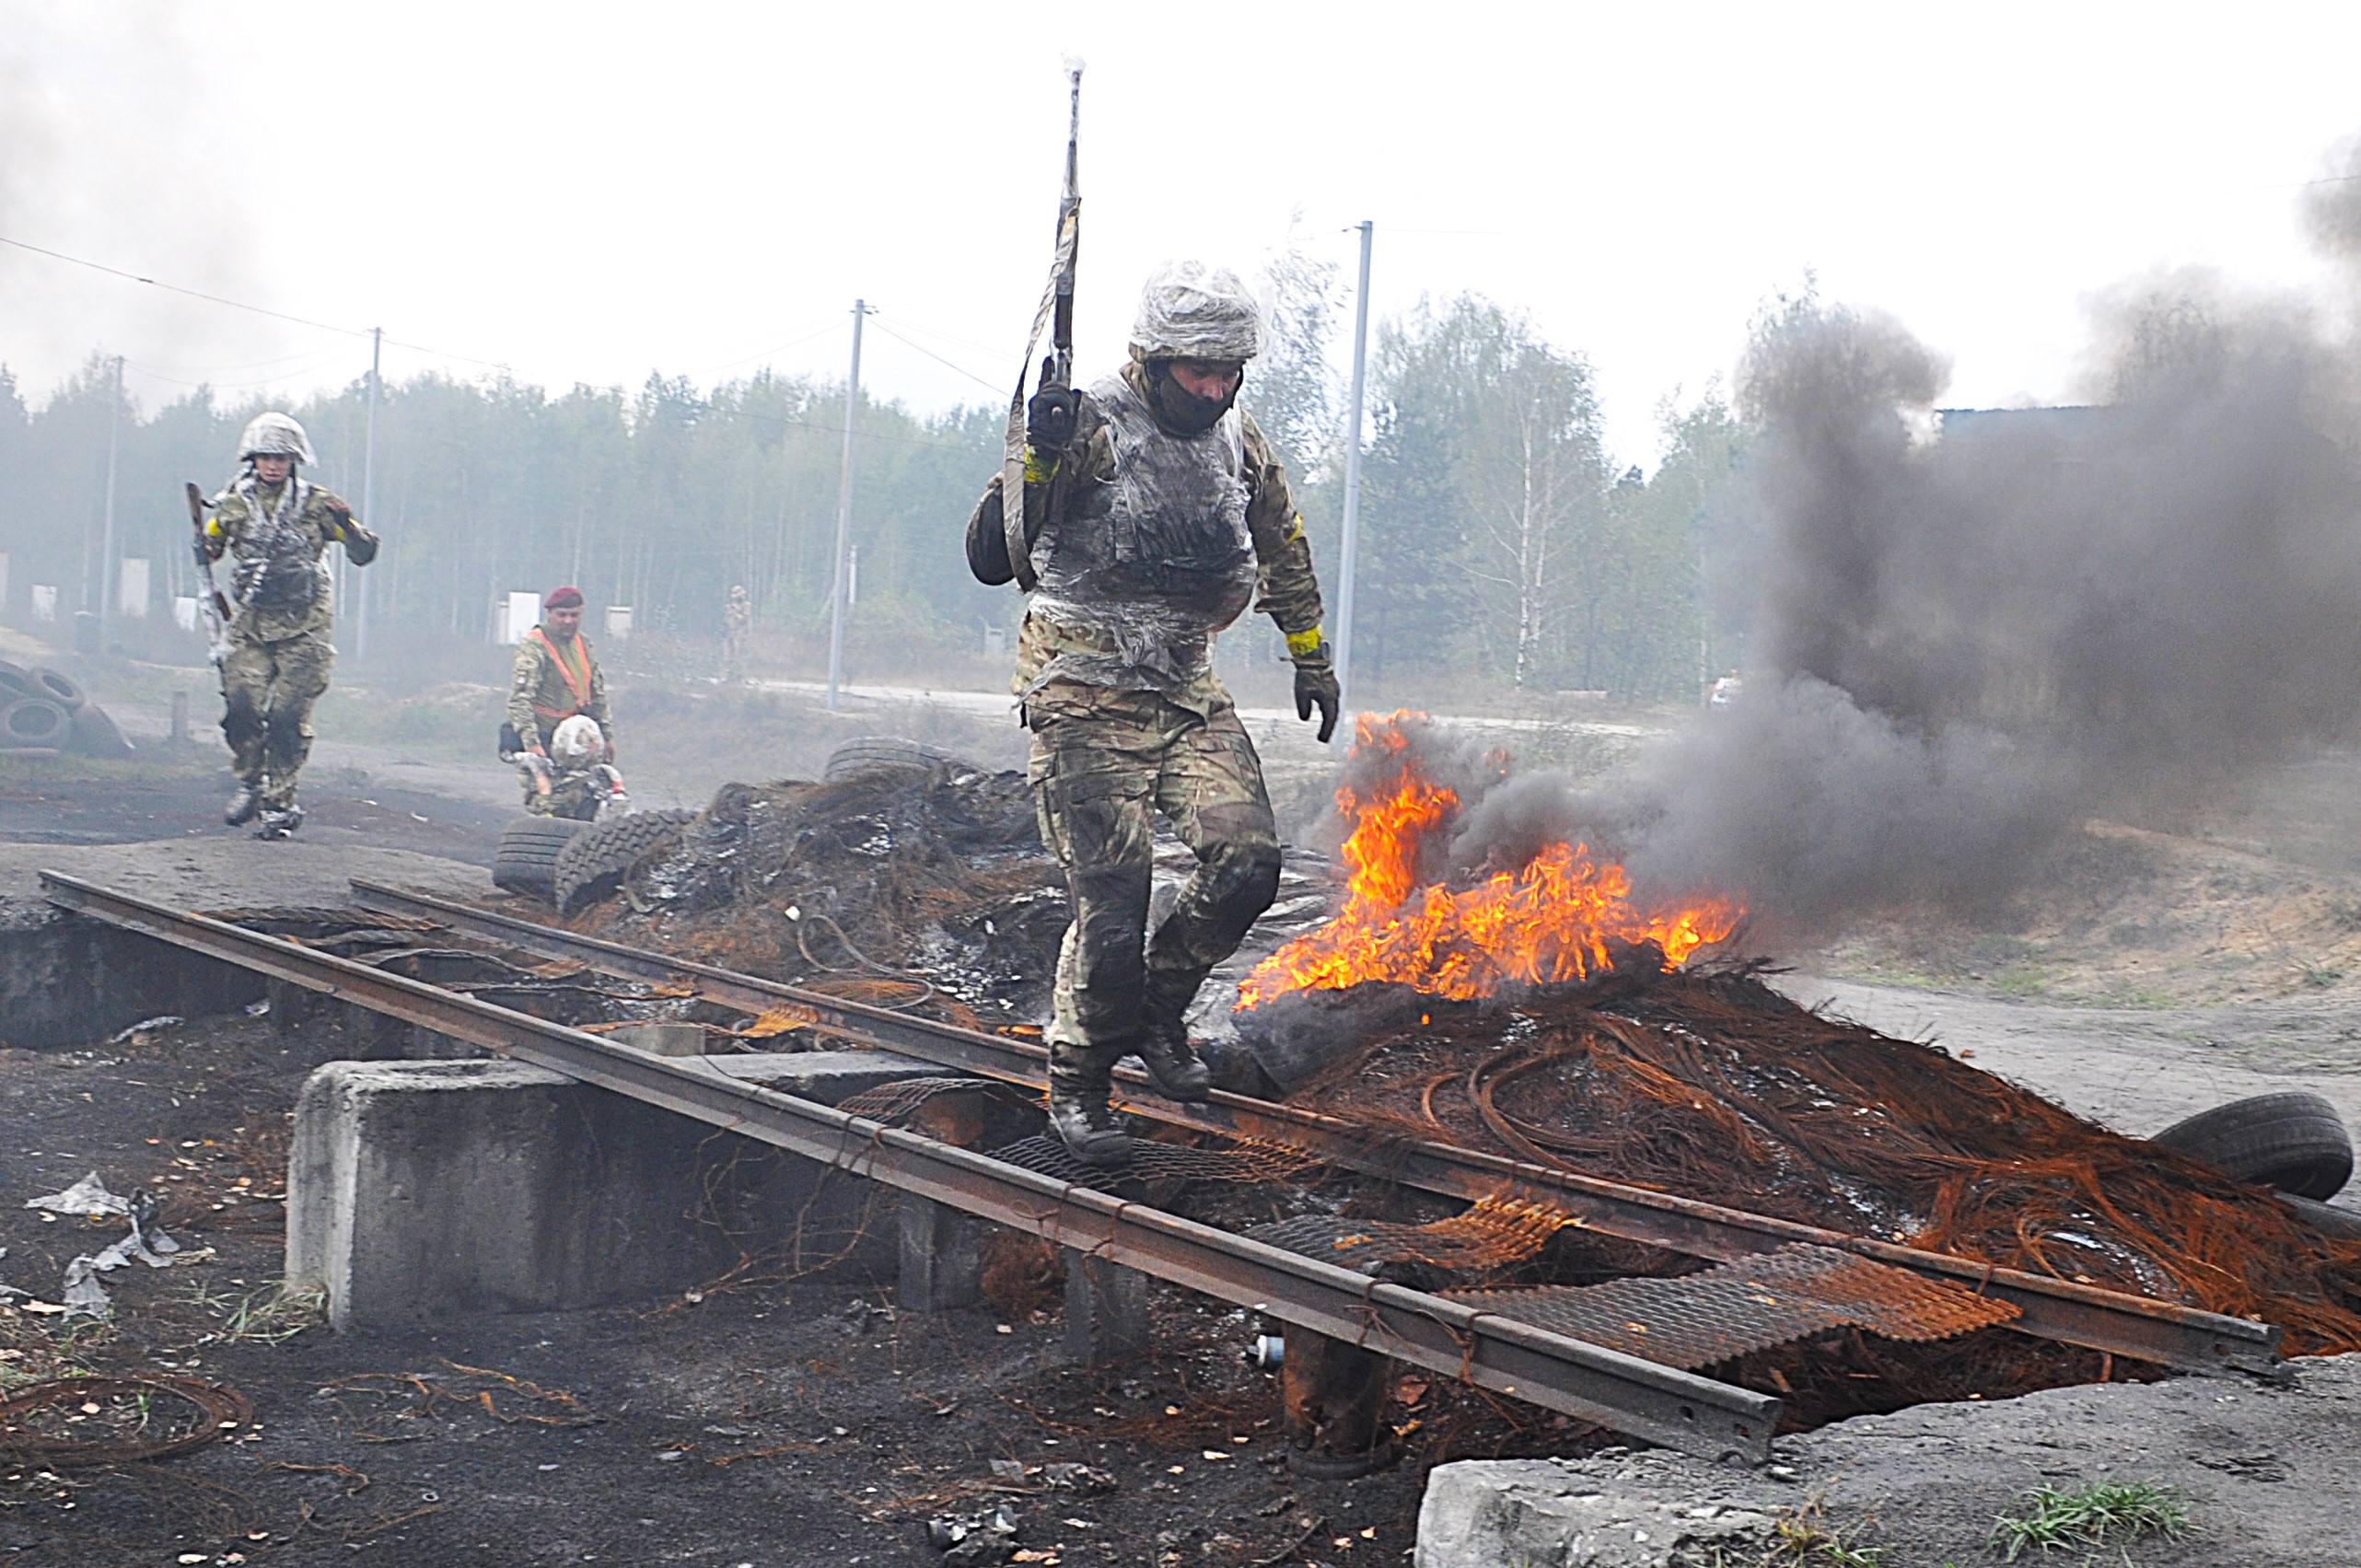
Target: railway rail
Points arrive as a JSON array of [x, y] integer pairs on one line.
[[1644, 1398], [2165, 1333]]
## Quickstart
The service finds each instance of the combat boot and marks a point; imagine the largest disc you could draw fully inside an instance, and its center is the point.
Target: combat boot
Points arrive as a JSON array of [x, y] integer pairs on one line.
[[280, 822], [1080, 1114], [1164, 1048], [243, 806]]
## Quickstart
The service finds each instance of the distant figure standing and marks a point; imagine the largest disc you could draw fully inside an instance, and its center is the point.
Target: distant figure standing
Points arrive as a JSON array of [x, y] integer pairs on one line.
[[737, 622], [556, 678], [277, 525]]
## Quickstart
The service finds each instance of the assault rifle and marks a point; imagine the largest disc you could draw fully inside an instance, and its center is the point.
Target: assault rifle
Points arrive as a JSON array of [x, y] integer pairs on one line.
[[1049, 416], [210, 602]]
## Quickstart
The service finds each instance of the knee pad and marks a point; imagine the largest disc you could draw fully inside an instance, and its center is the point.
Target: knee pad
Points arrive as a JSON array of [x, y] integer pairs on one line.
[[1241, 880]]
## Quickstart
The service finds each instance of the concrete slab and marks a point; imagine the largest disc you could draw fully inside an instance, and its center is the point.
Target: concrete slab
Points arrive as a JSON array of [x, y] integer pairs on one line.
[[2267, 1474], [229, 870], [419, 1190], [67, 980]]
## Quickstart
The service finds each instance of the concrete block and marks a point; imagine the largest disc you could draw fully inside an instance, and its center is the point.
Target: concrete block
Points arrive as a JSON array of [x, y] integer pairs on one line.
[[421, 1189], [1106, 1311], [1615, 1511], [67, 981], [942, 1257]]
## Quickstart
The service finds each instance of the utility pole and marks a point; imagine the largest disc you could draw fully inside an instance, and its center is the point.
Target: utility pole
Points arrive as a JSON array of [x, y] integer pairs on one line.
[[369, 490], [107, 544], [1352, 547], [844, 515]]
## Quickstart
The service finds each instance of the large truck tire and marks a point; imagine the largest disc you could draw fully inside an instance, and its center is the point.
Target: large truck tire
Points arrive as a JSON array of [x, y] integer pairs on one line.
[[874, 751], [596, 862], [527, 863], [2292, 1141]]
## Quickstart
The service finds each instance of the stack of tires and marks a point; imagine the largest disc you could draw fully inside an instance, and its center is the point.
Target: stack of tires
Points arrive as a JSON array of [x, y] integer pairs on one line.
[[571, 864], [44, 712]]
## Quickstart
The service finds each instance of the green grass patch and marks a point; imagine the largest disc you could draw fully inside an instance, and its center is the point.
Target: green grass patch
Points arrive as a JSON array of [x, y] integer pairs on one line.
[[2086, 1518]]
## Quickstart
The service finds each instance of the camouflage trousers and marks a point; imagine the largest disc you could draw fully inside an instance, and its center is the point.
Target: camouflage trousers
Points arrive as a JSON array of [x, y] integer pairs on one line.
[[267, 692], [576, 792], [1104, 765]]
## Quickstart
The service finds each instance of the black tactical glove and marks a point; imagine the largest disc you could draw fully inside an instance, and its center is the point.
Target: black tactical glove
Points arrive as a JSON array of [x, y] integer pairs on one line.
[[1316, 687], [1049, 418]]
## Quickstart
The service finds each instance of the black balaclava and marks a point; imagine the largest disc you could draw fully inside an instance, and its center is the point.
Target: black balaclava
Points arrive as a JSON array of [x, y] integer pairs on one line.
[[1180, 411]]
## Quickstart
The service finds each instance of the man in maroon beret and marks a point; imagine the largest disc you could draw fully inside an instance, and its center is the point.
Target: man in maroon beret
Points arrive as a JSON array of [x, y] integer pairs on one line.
[[557, 677]]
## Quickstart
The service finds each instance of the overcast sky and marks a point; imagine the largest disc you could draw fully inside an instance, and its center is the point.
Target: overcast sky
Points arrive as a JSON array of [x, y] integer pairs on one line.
[[587, 191]]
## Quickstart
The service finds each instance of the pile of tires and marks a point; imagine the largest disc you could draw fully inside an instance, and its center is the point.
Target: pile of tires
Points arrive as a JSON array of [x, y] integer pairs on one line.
[[594, 863], [44, 711]]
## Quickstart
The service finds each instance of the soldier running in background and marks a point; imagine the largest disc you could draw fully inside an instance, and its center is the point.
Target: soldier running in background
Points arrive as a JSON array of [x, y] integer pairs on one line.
[[277, 526], [1154, 511], [737, 622]]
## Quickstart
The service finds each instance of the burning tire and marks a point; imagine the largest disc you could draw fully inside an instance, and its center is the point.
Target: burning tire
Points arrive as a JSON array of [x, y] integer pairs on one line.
[[2292, 1141], [594, 862], [881, 751], [527, 863]]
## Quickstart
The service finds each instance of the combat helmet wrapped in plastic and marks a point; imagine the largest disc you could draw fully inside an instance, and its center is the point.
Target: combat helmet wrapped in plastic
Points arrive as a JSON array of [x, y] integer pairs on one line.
[[275, 435], [1192, 311], [578, 742]]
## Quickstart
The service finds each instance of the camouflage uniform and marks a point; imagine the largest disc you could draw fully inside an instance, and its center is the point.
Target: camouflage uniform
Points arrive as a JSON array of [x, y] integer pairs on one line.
[[278, 657], [737, 620], [541, 696], [576, 792], [1129, 720]]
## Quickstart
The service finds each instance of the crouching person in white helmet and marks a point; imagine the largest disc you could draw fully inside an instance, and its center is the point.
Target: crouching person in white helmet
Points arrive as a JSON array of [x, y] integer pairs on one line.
[[571, 777], [275, 527]]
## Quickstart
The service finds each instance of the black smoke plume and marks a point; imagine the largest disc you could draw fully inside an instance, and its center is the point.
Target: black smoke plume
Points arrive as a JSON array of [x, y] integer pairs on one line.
[[1971, 632]]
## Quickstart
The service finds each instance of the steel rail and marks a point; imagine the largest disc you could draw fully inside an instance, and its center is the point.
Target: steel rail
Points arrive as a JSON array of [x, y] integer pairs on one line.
[[2180, 1337], [1662, 1404]]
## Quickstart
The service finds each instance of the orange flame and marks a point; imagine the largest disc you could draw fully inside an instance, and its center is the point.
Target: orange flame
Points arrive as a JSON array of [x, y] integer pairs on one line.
[[1549, 920]]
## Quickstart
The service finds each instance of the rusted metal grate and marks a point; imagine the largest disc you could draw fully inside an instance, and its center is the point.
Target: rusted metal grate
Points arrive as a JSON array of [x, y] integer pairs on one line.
[[1153, 1161], [1703, 1319], [891, 1102], [1489, 1235]]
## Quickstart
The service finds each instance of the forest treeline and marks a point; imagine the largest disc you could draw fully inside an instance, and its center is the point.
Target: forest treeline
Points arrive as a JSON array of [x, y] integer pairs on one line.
[[1497, 542]]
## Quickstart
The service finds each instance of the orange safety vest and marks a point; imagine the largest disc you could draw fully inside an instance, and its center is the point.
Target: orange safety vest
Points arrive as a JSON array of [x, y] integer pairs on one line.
[[577, 682]]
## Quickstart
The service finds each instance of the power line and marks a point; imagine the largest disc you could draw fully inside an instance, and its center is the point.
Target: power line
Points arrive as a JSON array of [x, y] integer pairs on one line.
[[176, 288], [938, 358], [240, 304], [416, 347]]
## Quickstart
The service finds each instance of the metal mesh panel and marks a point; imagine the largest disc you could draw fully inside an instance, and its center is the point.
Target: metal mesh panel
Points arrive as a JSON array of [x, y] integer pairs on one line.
[[1702, 1318], [1153, 1161], [1488, 1236], [890, 1102]]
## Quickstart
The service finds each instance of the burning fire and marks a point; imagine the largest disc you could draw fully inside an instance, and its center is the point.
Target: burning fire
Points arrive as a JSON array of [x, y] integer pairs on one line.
[[1551, 920]]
